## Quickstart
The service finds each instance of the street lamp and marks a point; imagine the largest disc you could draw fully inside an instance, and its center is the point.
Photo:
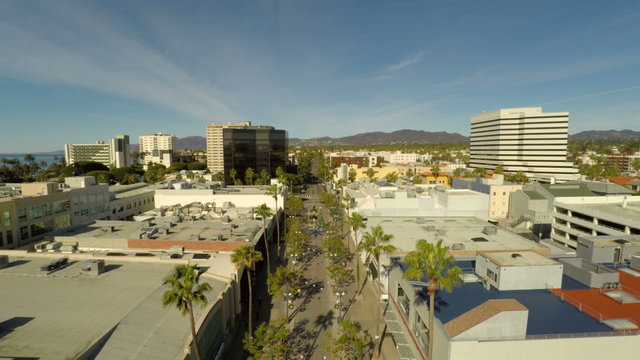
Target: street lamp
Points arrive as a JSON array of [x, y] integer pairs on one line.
[[339, 295], [288, 298]]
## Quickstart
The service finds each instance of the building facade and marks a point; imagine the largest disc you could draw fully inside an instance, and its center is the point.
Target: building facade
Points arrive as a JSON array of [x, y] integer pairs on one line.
[[116, 153], [242, 146], [159, 148], [522, 139], [98, 152], [120, 151]]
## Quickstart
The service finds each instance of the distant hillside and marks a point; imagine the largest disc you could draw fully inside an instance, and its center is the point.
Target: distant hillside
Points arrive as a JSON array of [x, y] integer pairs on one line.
[[192, 143], [610, 135], [381, 138]]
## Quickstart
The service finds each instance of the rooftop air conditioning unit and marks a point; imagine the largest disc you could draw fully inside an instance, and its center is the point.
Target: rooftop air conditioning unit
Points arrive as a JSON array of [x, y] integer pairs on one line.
[[107, 229], [457, 246], [421, 220], [430, 228], [441, 232], [489, 230]]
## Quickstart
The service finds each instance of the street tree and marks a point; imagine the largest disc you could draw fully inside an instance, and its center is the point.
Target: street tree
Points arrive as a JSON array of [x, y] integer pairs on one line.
[[286, 283], [232, 174], [271, 342], [265, 213], [350, 343], [274, 190], [249, 174], [353, 174], [391, 177], [370, 173], [246, 256], [186, 290], [356, 222], [374, 243], [433, 263]]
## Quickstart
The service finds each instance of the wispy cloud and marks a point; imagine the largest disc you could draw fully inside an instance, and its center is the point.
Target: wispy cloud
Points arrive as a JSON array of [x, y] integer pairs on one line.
[[406, 62], [88, 49], [596, 94]]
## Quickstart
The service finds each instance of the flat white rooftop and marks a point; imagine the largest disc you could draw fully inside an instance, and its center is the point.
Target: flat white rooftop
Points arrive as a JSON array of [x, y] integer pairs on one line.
[[464, 235], [518, 258]]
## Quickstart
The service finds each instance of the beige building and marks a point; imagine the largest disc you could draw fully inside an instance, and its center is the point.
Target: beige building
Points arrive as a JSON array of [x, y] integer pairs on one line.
[[116, 153], [98, 152], [215, 148], [159, 148]]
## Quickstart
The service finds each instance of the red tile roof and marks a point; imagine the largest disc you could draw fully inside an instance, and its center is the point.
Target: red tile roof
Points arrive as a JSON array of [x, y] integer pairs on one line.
[[621, 180]]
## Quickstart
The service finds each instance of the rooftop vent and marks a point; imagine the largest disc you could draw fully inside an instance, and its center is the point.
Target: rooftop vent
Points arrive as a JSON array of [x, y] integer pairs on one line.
[[93, 267], [489, 230], [457, 246], [194, 237], [479, 239], [430, 228], [107, 229], [420, 220], [622, 241], [441, 232], [516, 256]]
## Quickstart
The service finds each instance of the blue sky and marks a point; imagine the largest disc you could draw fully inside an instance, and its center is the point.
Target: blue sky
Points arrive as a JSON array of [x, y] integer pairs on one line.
[[81, 71]]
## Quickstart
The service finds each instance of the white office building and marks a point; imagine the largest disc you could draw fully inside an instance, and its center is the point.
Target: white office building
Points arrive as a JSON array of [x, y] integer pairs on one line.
[[116, 153], [158, 148], [522, 139]]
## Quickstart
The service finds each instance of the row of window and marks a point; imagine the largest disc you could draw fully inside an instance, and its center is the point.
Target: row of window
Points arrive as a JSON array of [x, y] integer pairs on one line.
[[6, 238]]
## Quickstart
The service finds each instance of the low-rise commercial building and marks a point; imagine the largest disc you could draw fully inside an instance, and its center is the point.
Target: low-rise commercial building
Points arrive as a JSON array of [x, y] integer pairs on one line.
[[498, 190], [112, 312]]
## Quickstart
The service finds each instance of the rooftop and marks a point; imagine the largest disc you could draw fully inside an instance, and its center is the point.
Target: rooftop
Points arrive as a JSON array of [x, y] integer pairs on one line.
[[463, 235], [63, 314], [548, 314], [568, 190], [519, 258]]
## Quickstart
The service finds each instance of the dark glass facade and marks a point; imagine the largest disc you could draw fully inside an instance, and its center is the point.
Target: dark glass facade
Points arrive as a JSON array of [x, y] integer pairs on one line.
[[254, 148]]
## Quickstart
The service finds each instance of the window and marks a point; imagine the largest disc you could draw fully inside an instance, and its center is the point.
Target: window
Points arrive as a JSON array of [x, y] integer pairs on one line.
[[494, 193], [9, 237], [492, 275], [24, 233], [40, 228], [6, 218], [61, 206], [22, 215]]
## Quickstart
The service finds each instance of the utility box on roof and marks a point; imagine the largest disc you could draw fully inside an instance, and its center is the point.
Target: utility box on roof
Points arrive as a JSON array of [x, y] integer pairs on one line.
[[518, 270]]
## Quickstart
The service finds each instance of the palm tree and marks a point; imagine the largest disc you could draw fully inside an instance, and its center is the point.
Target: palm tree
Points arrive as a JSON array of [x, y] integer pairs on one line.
[[246, 256], [264, 212], [249, 174], [432, 262], [356, 221], [274, 190], [374, 243], [232, 174], [185, 291]]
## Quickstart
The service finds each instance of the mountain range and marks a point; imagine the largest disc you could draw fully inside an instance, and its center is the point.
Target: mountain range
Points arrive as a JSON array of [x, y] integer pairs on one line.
[[398, 137]]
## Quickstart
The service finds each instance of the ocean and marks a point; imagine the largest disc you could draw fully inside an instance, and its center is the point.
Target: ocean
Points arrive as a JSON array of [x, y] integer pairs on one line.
[[48, 158]]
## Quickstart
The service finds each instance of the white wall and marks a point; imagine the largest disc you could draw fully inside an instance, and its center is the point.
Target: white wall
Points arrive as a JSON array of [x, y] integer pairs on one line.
[[172, 197], [620, 347], [504, 324]]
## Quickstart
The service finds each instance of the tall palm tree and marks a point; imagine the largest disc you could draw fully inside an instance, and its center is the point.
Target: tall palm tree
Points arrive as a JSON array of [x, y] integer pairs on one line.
[[374, 243], [246, 256], [433, 262], [274, 190], [264, 212], [185, 291], [356, 221]]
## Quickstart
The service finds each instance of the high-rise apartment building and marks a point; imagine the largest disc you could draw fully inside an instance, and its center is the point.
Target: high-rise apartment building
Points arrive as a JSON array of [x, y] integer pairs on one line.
[[116, 153], [159, 148], [98, 152], [522, 139], [120, 151], [243, 146]]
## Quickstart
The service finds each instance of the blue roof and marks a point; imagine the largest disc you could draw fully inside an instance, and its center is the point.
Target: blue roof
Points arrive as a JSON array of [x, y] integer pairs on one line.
[[547, 313]]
